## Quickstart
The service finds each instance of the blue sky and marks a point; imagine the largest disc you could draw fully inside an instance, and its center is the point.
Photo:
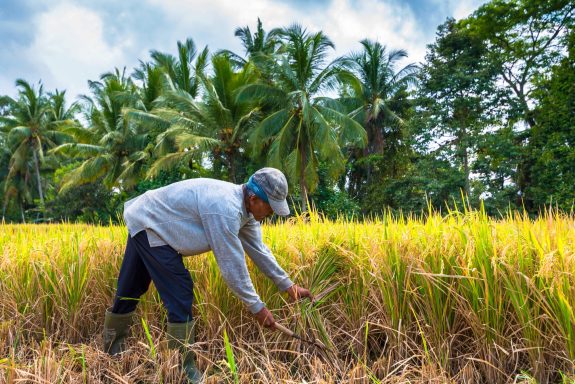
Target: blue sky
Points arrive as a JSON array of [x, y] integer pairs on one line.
[[65, 43]]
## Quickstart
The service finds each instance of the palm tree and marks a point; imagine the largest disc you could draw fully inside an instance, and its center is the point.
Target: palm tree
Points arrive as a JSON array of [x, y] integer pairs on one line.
[[218, 123], [183, 73], [33, 126], [181, 138], [305, 127], [256, 46], [58, 111], [227, 119], [378, 84], [150, 80], [113, 148], [145, 108], [373, 94]]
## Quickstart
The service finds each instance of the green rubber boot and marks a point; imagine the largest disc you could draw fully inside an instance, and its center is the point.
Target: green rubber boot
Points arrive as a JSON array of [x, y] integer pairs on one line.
[[181, 336], [116, 329]]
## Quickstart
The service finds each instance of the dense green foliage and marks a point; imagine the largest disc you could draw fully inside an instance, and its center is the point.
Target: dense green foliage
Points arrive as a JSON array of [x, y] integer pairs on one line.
[[489, 115]]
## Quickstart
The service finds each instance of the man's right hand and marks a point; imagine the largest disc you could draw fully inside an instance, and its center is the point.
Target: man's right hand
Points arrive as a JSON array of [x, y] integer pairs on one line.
[[265, 318]]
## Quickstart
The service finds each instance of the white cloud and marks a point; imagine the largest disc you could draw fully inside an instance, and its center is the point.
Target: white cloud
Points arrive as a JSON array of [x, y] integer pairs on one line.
[[345, 22], [74, 43], [213, 23], [70, 46], [457, 9], [464, 8], [391, 24], [7, 87]]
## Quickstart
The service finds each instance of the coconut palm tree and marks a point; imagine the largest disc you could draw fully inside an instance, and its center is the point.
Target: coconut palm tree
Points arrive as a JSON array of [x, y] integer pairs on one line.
[[181, 138], [113, 148], [306, 126], [256, 46], [217, 123], [373, 92], [378, 83], [227, 119], [182, 70], [164, 74], [32, 126]]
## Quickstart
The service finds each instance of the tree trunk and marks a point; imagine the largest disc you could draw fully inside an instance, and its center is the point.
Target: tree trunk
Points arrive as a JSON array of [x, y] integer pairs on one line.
[[525, 163], [302, 185], [233, 159], [231, 167], [38, 179], [217, 163], [303, 196], [375, 145], [466, 171], [378, 140]]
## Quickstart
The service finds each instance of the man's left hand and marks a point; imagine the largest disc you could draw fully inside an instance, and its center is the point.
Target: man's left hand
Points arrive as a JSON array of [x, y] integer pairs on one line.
[[295, 293]]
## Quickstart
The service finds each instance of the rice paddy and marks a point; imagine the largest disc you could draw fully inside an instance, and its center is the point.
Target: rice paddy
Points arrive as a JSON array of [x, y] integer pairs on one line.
[[455, 298]]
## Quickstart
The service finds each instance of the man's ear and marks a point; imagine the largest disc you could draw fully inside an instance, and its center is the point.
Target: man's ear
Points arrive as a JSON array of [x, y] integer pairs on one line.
[[254, 198]]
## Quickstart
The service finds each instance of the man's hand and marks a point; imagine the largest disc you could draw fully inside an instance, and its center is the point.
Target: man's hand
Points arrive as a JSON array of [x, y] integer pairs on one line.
[[295, 292], [265, 318]]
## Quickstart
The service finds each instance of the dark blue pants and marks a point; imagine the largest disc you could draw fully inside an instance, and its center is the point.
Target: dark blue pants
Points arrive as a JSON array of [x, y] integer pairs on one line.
[[162, 265]]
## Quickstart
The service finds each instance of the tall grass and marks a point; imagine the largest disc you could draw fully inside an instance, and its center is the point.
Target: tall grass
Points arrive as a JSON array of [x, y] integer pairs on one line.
[[455, 298]]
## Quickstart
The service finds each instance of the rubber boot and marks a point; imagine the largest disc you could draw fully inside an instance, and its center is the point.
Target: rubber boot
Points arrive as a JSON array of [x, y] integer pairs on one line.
[[116, 329], [181, 336]]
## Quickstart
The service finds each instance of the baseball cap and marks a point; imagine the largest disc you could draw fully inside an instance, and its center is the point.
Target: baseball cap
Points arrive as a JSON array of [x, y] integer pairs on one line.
[[270, 185]]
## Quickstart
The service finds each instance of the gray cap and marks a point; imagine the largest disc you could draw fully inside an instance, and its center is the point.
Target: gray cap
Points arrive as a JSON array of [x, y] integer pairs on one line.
[[274, 184]]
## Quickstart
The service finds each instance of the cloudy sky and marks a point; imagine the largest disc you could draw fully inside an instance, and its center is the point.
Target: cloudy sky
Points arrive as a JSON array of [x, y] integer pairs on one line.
[[65, 43]]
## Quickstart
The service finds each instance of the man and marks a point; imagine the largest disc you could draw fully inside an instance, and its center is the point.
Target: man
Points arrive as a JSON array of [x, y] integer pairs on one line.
[[191, 217]]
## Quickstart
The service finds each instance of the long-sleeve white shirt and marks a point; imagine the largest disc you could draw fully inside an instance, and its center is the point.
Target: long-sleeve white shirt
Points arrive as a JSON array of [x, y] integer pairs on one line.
[[197, 215]]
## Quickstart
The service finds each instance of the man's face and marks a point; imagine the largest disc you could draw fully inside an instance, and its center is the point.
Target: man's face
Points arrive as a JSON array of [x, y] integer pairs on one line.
[[259, 208]]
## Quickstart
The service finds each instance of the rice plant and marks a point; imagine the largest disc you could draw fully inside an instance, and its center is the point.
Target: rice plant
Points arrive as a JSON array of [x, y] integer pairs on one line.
[[454, 298]]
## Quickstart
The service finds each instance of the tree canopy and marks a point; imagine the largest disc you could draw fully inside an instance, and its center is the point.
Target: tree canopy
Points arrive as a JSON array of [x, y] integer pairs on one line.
[[487, 117]]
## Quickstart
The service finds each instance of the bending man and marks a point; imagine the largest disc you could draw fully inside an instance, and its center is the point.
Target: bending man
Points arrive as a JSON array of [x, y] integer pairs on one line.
[[191, 217]]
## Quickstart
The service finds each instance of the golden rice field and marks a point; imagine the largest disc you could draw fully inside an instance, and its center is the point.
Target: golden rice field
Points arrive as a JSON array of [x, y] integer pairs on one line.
[[458, 298]]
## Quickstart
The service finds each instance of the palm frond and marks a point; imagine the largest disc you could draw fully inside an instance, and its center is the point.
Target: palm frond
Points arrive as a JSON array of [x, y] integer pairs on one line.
[[311, 175], [350, 132], [189, 140], [168, 162], [78, 149], [272, 124], [151, 120], [324, 138], [89, 171], [261, 93], [291, 164], [19, 134], [284, 140]]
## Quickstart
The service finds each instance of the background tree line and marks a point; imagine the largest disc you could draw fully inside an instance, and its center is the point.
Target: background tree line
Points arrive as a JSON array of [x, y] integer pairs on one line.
[[489, 115]]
